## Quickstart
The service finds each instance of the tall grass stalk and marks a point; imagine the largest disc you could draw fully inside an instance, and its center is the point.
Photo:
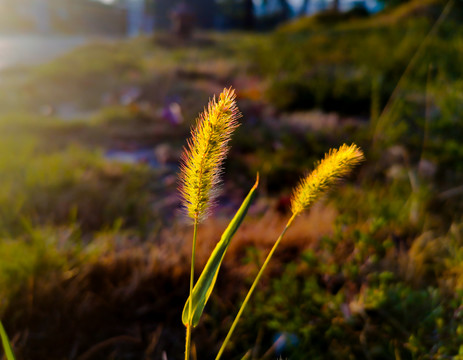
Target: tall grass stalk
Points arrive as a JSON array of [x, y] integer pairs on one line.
[[192, 276], [336, 164], [253, 286], [201, 168]]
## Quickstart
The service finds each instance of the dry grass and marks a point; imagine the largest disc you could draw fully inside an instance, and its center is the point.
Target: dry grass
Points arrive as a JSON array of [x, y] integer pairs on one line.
[[134, 292], [260, 233]]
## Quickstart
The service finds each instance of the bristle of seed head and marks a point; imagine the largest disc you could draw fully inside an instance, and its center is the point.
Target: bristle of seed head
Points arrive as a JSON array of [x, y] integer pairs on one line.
[[336, 164], [205, 153]]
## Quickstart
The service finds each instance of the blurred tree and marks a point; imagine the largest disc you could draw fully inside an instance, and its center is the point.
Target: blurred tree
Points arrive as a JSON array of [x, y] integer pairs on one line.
[[249, 15], [204, 12], [304, 7], [284, 5], [393, 2], [237, 13], [183, 20]]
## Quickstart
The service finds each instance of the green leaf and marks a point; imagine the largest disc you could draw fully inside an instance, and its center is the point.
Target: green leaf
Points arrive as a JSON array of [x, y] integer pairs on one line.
[[6, 343], [206, 281]]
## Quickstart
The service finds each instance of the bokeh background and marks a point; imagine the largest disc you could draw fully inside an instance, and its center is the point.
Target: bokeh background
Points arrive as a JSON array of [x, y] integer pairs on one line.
[[96, 103]]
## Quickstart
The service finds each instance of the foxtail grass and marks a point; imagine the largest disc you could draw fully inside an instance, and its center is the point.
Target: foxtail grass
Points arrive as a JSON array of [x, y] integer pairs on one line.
[[206, 151], [336, 164], [199, 184], [201, 168]]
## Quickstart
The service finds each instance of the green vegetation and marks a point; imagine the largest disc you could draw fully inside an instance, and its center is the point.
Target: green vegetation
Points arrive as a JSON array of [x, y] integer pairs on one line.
[[95, 264]]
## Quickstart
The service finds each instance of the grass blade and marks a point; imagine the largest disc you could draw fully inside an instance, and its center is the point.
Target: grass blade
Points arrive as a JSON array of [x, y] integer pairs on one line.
[[6, 343], [206, 281]]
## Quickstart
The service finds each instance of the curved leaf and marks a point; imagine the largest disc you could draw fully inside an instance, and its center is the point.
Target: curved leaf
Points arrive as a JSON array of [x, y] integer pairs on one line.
[[205, 284], [6, 343]]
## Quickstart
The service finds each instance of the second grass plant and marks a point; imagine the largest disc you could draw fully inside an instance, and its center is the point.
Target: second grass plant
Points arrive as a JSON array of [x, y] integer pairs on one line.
[[336, 164]]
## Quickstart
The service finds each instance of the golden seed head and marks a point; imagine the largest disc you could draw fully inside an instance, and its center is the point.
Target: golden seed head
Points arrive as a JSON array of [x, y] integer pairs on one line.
[[203, 157], [336, 164]]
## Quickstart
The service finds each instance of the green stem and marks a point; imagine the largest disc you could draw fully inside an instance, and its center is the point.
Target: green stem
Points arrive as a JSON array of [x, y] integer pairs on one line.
[[192, 278], [188, 342], [254, 284]]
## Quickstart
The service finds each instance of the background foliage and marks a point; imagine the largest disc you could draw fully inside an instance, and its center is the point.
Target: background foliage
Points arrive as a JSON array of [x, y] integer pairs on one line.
[[93, 243]]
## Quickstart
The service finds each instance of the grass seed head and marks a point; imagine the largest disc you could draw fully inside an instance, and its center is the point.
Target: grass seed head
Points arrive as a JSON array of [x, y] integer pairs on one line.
[[336, 164], [205, 153]]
